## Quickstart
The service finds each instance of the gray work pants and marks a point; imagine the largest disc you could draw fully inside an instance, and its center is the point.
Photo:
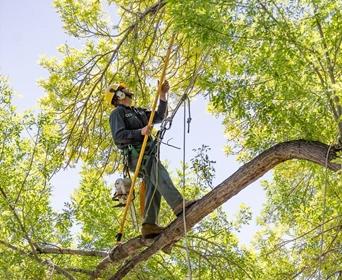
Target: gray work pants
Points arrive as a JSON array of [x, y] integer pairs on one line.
[[158, 183]]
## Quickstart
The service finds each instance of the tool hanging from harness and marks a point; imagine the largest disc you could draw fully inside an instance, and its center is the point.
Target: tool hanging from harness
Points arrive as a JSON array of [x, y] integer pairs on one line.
[[122, 188], [123, 185]]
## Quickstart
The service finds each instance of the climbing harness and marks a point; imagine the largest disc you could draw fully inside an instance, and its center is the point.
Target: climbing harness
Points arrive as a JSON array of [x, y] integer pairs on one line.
[[142, 151]]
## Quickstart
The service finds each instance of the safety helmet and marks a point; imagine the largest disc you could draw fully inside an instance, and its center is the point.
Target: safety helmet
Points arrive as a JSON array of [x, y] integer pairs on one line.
[[114, 90]]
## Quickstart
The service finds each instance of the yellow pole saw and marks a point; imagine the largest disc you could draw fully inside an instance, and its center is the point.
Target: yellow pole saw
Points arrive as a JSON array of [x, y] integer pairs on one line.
[[143, 147]]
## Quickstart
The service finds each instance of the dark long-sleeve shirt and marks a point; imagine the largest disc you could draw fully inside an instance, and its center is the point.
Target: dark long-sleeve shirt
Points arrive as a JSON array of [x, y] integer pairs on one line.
[[126, 123]]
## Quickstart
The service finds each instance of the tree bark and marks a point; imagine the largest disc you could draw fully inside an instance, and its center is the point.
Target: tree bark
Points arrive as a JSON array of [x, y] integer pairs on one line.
[[67, 251], [316, 152], [120, 252]]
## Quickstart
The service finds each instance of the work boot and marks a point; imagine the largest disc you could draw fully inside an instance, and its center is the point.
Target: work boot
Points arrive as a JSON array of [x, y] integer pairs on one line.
[[151, 230], [178, 210]]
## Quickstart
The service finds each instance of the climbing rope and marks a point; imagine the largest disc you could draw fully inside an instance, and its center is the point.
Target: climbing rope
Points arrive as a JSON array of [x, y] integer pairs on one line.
[[158, 141], [325, 185], [166, 125], [184, 186], [187, 121]]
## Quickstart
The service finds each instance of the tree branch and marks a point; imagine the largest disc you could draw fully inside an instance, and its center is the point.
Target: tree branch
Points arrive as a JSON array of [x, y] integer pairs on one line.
[[122, 251], [48, 263], [68, 251], [313, 151], [151, 10]]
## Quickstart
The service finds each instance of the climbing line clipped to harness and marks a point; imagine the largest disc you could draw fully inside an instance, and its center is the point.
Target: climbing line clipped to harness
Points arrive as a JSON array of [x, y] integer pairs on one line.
[[142, 151]]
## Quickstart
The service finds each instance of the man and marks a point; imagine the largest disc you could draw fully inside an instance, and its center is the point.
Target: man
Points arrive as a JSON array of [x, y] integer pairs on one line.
[[129, 126]]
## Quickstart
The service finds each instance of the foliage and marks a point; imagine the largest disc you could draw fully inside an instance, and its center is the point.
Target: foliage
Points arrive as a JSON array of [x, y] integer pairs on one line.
[[28, 219], [271, 69], [203, 166], [28, 160]]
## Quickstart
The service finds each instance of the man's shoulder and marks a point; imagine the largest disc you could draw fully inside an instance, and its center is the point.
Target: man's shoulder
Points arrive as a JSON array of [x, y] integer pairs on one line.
[[122, 112], [117, 110]]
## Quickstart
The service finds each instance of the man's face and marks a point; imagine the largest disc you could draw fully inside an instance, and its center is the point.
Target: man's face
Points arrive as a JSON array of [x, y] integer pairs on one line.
[[128, 99], [127, 92]]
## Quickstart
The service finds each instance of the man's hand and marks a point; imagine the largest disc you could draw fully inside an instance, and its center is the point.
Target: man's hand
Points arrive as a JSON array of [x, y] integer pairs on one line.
[[164, 90], [146, 130]]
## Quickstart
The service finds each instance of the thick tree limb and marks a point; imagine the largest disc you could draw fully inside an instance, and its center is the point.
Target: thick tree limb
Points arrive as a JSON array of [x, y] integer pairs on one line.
[[122, 251], [316, 152], [300, 149]]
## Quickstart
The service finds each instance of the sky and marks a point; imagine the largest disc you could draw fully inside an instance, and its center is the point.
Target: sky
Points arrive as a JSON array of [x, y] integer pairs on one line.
[[31, 29]]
